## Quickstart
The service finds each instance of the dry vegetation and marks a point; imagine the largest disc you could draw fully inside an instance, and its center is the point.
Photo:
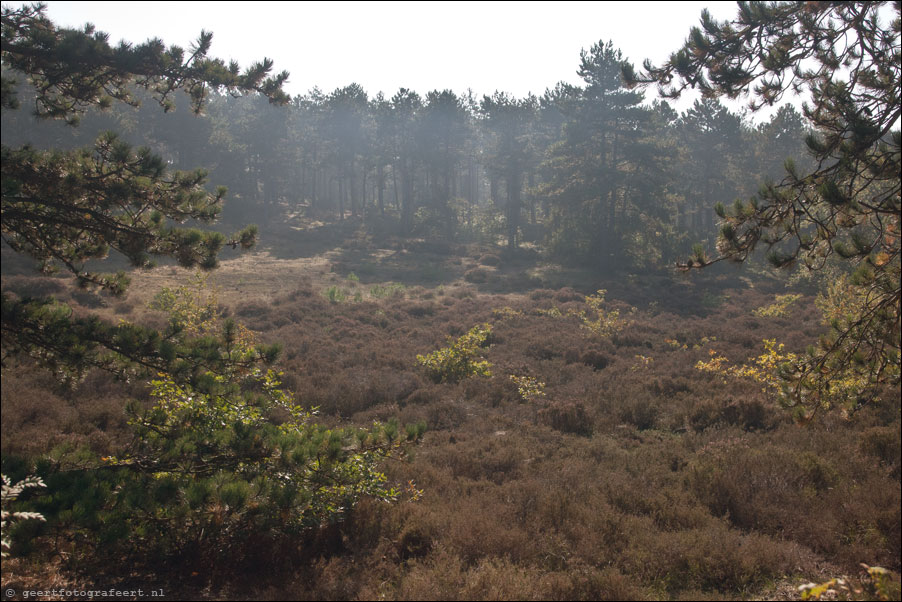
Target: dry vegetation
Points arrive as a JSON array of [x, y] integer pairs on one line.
[[635, 476]]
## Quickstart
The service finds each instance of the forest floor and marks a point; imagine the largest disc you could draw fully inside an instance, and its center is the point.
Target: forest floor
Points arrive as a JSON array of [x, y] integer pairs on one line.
[[631, 474]]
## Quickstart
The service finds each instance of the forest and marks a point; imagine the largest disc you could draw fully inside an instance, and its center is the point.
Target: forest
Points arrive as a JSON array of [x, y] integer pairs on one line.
[[434, 345]]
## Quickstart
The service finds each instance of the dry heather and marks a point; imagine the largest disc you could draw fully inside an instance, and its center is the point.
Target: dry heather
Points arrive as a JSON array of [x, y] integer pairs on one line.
[[633, 476]]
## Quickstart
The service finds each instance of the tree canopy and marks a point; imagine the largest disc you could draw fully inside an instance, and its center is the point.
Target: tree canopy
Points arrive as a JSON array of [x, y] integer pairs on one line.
[[67, 208], [846, 59], [75, 69]]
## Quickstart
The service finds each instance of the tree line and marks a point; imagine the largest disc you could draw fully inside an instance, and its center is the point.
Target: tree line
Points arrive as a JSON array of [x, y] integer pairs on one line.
[[590, 171]]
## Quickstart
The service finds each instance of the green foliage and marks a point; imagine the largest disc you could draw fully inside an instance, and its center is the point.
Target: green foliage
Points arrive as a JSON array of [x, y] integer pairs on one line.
[[138, 198], [601, 321], [209, 467], [765, 369], [506, 313], [232, 470], [336, 295], [392, 289], [65, 209], [779, 308], [604, 170], [192, 309], [461, 359], [552, 312], [11, 492], [69, 345], [598, 320], [74, 69], [848, 204], [528, 387], [783, 373]]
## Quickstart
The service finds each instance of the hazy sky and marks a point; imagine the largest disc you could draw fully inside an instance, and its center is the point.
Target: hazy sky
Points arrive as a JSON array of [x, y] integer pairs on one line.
[[517, 47]]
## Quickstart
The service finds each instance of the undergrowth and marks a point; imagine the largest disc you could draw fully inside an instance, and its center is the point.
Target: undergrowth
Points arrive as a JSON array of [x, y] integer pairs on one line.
[[561, 463]]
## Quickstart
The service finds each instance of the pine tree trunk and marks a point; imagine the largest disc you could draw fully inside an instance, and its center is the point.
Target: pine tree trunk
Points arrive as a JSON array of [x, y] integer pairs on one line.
[[381, 190], [394, 186], [513, 209]]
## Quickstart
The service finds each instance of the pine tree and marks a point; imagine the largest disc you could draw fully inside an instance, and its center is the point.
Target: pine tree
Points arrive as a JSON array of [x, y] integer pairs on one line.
[[346, 129], [442, 135], [223, 456], [67, 208], [604, 167], [510, 121], [847, 60], [401, 124], [715, 163]]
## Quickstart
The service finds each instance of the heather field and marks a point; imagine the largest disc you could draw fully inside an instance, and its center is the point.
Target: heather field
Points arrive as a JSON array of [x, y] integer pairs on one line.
[[589, 458], [454, 317]]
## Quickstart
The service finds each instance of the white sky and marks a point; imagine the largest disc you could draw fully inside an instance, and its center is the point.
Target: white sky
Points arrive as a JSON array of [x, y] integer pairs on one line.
[[517, 47]]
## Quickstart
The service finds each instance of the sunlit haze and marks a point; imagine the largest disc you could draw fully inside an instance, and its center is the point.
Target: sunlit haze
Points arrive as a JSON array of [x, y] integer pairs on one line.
[[484, 46]]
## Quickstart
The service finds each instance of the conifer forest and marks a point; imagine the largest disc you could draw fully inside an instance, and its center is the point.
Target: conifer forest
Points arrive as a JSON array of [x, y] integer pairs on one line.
[[435, 345]]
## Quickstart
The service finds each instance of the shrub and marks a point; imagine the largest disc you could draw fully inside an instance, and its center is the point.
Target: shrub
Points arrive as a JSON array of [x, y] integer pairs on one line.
[[336, 295], [598, 320], [704, 414], [779, 308], [528, 387], [391, 289], [461, 359], [209, 468], [750, 415], [476, 276], [595, 359], [641, 413], [490, 259], [883, 442], [567, 417]]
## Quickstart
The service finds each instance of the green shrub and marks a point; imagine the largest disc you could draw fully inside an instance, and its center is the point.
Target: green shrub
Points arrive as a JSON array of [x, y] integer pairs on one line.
[[598, 320], [779, 308], [528, 387], [216, 465], [336, 295], [392, 289], [212, 468], [461, 359]]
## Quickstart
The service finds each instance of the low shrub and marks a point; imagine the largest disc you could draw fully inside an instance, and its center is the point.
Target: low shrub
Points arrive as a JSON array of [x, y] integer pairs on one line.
[[490, 259], [640, 412], [476, 276], [461, 359], [217, 463], [597, 360], [567, 417]]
